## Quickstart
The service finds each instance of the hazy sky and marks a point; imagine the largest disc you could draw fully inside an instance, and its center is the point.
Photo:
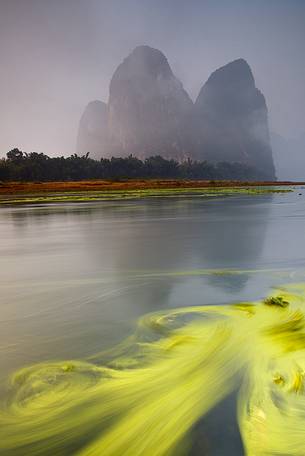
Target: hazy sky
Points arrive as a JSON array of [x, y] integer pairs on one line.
[[57, 55]]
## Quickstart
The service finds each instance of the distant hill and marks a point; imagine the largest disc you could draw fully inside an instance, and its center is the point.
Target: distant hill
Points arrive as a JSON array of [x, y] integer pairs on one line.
[[150, 113], [231, 119]]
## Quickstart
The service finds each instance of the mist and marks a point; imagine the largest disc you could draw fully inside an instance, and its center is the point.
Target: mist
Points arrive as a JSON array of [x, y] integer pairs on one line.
[[289, 157], [58, 56]]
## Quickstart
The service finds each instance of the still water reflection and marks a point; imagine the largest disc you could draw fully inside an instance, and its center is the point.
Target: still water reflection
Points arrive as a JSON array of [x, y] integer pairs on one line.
[[75, 277]]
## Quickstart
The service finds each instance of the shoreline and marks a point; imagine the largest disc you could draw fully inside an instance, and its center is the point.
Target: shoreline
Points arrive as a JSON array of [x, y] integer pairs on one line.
[[12, 188], [91, 191]]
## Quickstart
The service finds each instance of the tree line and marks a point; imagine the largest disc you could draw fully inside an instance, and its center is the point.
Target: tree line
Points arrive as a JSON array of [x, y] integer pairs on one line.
[[33, 166]]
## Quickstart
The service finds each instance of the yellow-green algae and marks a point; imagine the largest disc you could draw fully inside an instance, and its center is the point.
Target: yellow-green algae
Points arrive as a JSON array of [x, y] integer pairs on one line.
[[109, 195], [144, 396]]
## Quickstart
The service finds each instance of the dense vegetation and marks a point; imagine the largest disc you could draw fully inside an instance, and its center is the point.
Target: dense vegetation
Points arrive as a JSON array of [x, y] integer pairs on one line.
[[23, 166]]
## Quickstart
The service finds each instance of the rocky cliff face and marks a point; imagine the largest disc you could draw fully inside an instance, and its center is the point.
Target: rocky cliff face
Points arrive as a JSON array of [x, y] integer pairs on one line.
[[230, 120], [93, 130], [147, 106], [150, 113]]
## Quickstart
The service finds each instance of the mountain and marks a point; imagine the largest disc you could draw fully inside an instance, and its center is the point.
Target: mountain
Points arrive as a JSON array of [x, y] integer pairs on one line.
[[92, 132], [147, 106], [230, 120], [150, 113]]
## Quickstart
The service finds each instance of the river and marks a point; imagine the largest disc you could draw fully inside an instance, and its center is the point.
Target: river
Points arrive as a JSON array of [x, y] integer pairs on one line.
[[75, 277]]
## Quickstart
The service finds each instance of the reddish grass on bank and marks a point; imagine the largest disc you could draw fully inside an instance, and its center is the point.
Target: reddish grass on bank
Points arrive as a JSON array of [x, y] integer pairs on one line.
[[136, 184]]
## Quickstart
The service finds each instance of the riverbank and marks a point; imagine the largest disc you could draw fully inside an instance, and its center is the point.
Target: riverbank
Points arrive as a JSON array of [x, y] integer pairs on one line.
[[90, 191], [11, 188]]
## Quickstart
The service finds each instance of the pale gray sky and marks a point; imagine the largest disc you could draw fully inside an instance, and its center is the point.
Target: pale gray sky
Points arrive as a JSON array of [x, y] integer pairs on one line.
[[57, 55]]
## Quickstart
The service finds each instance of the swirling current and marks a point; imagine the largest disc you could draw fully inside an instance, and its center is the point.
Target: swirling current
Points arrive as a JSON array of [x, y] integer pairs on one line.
[[145, 396]]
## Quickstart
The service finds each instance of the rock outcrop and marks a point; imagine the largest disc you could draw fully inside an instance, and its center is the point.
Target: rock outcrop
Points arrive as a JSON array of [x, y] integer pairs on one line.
[[150, 113], [147, 107], [230, 120]]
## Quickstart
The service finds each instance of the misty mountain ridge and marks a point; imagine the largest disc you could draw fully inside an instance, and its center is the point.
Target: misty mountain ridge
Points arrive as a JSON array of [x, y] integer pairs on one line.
[[150, 113]]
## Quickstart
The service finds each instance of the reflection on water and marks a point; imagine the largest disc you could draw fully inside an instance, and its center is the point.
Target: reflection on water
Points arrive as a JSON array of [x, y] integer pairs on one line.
[[75, 277]]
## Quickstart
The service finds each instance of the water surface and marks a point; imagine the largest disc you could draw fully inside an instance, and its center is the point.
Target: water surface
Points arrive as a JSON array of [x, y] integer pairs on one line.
[[76, 277]]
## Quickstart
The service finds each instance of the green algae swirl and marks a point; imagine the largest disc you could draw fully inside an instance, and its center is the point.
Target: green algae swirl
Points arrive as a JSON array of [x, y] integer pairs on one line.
[[144, 396]]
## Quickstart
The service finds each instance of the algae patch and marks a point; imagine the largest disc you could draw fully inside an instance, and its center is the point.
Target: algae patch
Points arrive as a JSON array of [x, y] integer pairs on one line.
[[144, 396], [276, 301], [113, 195]]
